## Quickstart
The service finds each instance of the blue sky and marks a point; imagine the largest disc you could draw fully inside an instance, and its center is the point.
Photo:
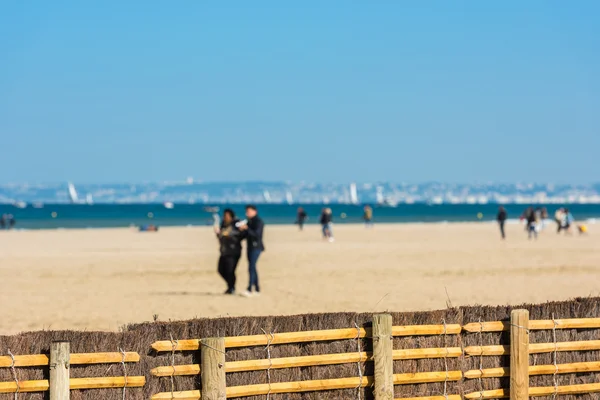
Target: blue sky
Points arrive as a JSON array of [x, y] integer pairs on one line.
[[457, 91]]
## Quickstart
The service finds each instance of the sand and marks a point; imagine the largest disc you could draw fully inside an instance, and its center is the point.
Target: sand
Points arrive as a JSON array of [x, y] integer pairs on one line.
[[103, 279]]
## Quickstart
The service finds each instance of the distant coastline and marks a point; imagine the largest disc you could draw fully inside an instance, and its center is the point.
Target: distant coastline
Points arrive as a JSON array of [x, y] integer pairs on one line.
[[193, 192]]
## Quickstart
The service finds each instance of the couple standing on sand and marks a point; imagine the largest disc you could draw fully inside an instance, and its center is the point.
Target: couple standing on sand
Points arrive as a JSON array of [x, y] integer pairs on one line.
[[230, 233]]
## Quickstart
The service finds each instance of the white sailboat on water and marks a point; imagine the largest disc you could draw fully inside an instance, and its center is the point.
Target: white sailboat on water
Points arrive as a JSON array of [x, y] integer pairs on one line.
[[353, 194], [73, 196], [383, 201], [267, 196]]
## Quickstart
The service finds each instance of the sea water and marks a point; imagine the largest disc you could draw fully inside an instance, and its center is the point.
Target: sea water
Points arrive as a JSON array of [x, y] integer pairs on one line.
[[53, 216]]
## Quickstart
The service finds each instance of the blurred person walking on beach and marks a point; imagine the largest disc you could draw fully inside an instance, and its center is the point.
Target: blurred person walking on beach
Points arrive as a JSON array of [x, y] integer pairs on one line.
[[253, 233], [230, 240], [368, 216], [559, 216], [501, 218], [11, 221], [3, 221], [529, 216], [301, 218], [326, 224], [568, 220]]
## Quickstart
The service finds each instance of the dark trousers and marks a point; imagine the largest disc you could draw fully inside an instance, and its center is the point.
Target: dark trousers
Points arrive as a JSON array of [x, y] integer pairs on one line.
[[227, 266], [253, 255], [501, 223]]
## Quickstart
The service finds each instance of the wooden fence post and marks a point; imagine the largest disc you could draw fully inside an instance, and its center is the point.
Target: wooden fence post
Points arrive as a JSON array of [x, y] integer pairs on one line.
[[519, 355], [383, 356], [212, 358], [59, 370]]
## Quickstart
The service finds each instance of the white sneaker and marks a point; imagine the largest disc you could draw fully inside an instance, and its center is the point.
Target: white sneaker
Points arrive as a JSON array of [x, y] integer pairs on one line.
[[331, 240], [246, 293]]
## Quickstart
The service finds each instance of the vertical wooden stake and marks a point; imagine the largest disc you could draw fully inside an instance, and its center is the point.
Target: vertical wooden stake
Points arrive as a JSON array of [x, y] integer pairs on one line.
[[212, 358], [383, 355], [59, 370], [519, 355]]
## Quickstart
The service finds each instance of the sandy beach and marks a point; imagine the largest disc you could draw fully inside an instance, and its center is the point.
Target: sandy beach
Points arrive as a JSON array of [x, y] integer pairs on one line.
[[105, 278]]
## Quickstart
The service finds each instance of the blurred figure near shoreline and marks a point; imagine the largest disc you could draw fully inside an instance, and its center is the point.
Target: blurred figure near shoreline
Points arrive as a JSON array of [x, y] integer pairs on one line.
[[7, 221], [559, 217], [530, 217], [301, 218], [501, 218], [368, 216], [568, 221], [326, 221]]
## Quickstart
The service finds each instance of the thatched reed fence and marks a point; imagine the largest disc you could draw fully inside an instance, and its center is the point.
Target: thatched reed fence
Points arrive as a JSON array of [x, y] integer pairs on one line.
[[545, 350]]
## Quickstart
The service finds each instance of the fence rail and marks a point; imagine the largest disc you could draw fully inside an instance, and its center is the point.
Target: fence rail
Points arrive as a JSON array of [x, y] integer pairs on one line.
[[41, 360], [306, 336]]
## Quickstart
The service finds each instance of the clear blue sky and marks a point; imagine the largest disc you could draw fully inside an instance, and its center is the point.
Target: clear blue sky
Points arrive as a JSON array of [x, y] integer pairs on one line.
[[456, 91]]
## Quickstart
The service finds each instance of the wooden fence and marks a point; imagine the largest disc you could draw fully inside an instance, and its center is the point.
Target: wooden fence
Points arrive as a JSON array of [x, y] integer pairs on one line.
[[214, 367], [58, 362]]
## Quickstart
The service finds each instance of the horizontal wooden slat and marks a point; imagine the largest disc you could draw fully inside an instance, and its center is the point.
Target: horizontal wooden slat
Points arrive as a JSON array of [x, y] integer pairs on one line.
[[75, 384], [306, 361], [316, 385], [417, 330], [448, 397], [39, 360], [498, 326], [536, 370], [537, 391], [300, 386], [306, 336], [185, 395], [24, 386], [106, 383], [534, 348], [426, 377]]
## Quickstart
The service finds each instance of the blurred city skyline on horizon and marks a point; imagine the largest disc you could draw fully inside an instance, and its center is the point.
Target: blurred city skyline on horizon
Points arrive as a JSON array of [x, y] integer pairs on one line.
[[384, 193]]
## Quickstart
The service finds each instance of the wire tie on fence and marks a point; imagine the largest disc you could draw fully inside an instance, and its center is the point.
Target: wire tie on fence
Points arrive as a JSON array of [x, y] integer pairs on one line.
[[270, 338], [554, 358], [520, 327], [174, 345], [445, 359], [360, 376], [480, 380], [14, 372], [124, 371], [212, 348]]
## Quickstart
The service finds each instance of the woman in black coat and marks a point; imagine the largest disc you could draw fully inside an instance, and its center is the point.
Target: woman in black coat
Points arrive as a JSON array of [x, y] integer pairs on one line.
[[230, 240]]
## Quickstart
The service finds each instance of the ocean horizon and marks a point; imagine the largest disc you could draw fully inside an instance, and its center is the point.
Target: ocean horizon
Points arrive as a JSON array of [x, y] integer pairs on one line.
[[69, 216]]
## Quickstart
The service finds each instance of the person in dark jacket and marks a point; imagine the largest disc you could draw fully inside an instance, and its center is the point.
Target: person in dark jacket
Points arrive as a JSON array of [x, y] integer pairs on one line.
[[230, 240], [501, 218], [253, 233], [529, 216], [301, 218], [326, 221]]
